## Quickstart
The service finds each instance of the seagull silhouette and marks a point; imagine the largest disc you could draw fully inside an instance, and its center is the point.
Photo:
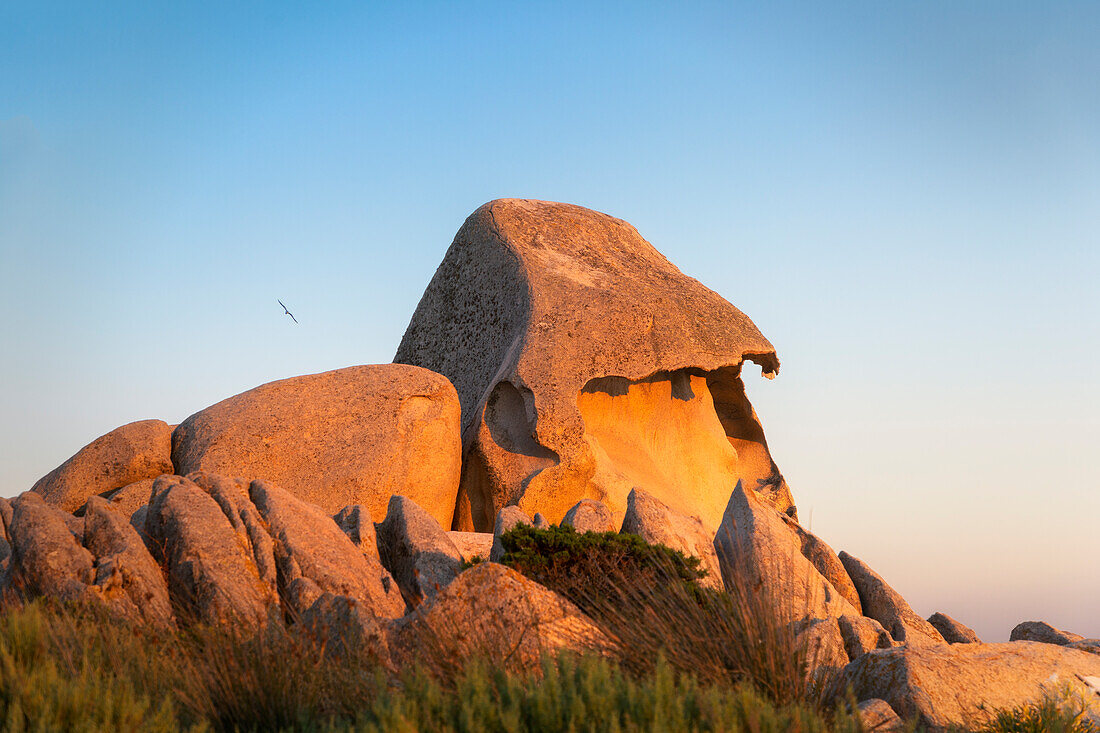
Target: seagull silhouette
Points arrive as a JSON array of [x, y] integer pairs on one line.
[[287, 311]]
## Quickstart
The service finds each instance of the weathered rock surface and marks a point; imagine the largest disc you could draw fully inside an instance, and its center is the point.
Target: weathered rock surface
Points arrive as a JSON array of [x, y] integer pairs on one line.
[[46, 559], [818, 552], [1043, 632], [314, 556], [130, 453], [540, 522], [132, 497], [232, 496], [862, 634], [508, 518], [945, 684], [586, 365], [126, 577], [212, 574], [5, 538], [952, 631], [756, 548], [494, 612], [356, 523], [652, 520], [350, 436], [878, 717], [417, 551], [885, 605], [472, 544], [347, 627], [824, 645], [589, 515]]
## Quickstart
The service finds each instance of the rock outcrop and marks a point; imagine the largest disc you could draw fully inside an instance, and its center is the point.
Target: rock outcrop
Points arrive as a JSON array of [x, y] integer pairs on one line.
[[824, 644], [652, 520], [959, 684], [46, 559], [878, 717], [756, 548], [885, 605], [589, 515], [472, 544], [350, 436], [417, 551], [862, 635], [212, 574], [140, 450], [952, 631], [587, 364], [818, 552], [1043, 632], [5, 538], [493, 612], [508, 518], [314, 557]]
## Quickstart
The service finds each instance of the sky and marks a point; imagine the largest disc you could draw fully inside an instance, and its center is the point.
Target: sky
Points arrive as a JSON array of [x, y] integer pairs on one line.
[[905, 198]]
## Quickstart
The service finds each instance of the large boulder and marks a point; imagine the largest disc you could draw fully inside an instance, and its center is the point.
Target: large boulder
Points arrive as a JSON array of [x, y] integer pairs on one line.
[[758, 551], [46, 559], [315, 557], [952, 631], [653, 521], [140, 450], [212, 574], [960, 684], [493, 612], [885, 605], [350, 436], [418, 552], [127, 578], [586, 365]]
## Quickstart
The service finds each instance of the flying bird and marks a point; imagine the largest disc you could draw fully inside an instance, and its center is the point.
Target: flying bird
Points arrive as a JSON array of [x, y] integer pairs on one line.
[[285, 310]]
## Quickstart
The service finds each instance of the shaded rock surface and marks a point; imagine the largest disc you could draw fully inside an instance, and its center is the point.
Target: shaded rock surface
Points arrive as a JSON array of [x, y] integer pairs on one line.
[[508, 518], [862, 634], [473, 544], [347, 627], [132, 497], [350, 436], [212, 575], [314, 556], [355, 521], [139, 450], [818, 552], [494, 612], [587, 364], [416, 550], [652, 520], [5, 538], [885, 605], [755, 547], [588, 515], [878, 717], [46, 559], [952, 631], [945, 684], [1043, 632]]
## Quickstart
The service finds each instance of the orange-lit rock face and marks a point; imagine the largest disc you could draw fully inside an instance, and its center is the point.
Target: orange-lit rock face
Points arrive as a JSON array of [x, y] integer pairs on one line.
[[586, 363]]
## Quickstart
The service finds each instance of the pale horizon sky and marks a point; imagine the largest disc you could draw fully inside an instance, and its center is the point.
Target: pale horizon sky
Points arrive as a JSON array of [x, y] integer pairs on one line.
[[905, 198]]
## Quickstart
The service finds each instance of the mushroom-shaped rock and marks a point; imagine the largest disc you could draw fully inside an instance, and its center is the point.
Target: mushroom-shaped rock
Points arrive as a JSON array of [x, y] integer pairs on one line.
[[946, 685], [314, 556], [140, 450], [127, 578], [653, 521], [589, 515], [46, 559], [508, 518], [1043, 632], [587, 364], [862, 634], [885, 605], [493, 612], [350, 436], [416, 550], [755, 547], [952, 631], [212, 574]]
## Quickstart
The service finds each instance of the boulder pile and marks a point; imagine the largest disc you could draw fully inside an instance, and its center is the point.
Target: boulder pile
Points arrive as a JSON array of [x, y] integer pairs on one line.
[[559, 370]]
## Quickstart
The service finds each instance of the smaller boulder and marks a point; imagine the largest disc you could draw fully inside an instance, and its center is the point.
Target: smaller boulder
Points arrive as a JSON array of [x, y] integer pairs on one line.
[[348, 628], [46, 558], [131, 497], [952, 631], [139, 450], [862, 635], [652, 520], [539, 521], [878, 717], [824, 645], [356, 523], [1043, 632], [417, 551], [885, 605], [472, 544], [589, 515], [508, 518]]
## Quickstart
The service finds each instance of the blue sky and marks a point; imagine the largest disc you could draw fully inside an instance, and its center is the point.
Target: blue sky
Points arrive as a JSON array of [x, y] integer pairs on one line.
[[904, 196]]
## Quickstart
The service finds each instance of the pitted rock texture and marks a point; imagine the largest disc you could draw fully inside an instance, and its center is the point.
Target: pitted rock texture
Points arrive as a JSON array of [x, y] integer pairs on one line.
[[959, 684], [757, 549], [570, 340], [862, 634], [139, 450], [350, 436], [652, 520], [315, 557], [952, 631], [46, 559], [885, 605]]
